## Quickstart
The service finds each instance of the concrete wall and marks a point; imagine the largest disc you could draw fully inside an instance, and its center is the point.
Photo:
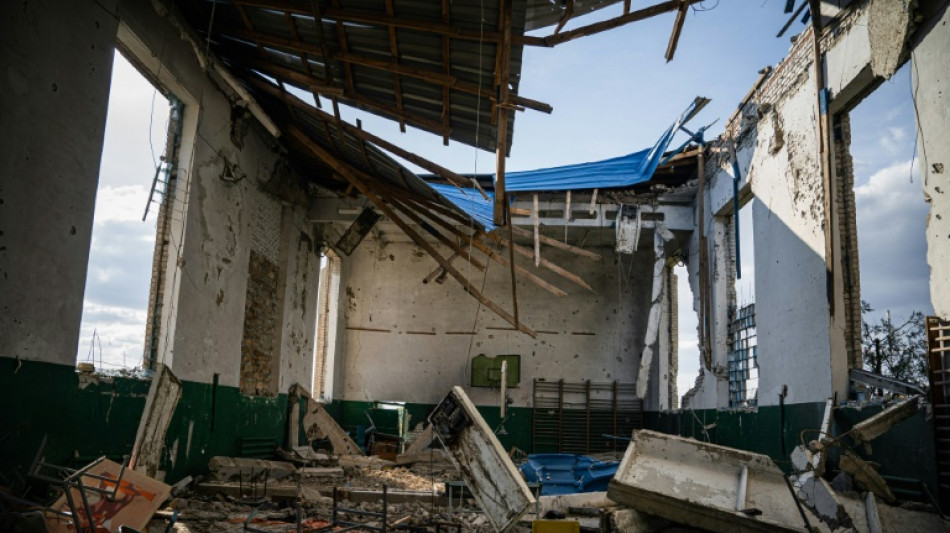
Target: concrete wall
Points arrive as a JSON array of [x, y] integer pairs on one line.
[[220, 184], [56, 61], [807, 312], [55, 69], [409, 341], [931, 80]]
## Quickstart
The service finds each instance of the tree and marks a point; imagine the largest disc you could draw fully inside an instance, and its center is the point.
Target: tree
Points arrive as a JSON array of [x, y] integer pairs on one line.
[[897, 351]]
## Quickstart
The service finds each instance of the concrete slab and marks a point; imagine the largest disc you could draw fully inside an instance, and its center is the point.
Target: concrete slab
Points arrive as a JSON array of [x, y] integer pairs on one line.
[[241, 469], [696, 483]]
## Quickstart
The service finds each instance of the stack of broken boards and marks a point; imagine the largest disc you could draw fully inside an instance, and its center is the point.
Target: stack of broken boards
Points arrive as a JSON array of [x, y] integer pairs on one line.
[[700, 484]]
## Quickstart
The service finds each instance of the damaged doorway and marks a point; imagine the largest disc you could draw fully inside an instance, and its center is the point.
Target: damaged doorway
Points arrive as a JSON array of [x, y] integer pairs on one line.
[[887, 274], [115, 305]]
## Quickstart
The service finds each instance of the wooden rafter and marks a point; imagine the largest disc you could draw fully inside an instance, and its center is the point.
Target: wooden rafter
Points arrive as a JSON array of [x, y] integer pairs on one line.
[[443, 78], [447, 71], [568, 13], [628, 17], [554, 243], [477, 243], [360, 133], [499, 212], [677, 30], [344, 48], [394, 51], [407, 23], [360, 185], [354, 99], [304, 60], [570, 276]]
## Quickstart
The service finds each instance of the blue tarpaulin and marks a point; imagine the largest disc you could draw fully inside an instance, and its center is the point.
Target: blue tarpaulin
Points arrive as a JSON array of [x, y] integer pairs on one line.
[[623, 171], [563, 473]]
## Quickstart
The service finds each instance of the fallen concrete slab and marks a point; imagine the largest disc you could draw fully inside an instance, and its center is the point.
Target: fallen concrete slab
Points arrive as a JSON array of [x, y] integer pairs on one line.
[[160, 404], [865, 474], [486, 468], [882, 422], [317, 424], [242, 469], [705, 485]]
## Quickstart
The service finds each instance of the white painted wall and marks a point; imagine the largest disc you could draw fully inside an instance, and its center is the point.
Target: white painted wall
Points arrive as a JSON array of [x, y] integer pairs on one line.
[[424, 347], [56, 63], [55, 70], [931, 78]]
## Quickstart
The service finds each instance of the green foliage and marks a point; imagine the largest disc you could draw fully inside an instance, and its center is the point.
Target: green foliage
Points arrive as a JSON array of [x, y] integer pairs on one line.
[[895, 349]]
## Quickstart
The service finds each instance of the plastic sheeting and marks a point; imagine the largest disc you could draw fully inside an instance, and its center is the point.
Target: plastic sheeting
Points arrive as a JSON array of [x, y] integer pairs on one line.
[[623, 171]]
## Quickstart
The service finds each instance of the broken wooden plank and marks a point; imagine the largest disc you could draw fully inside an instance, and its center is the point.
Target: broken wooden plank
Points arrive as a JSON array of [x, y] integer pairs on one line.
[[421, 442], [863, 473], [372, 462], [487, 470], [677, 30], [352, 177], [160, 404], [570, 276], [554, 243]]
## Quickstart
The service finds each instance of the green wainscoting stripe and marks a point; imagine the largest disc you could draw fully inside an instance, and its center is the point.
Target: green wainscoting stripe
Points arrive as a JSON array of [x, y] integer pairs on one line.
[[84, 418]]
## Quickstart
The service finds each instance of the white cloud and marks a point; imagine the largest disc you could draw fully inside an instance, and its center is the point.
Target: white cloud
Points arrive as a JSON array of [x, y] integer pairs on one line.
[[120, 331], [893, 140], [892, 247], [121, 203]]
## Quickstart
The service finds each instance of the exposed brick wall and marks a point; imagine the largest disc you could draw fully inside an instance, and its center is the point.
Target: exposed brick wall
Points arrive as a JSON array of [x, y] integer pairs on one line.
[[848, 235], [261, 327], [156, 293], [265, 226]]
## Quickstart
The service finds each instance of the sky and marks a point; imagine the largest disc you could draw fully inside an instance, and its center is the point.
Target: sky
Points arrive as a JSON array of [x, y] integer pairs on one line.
[[613, 94]]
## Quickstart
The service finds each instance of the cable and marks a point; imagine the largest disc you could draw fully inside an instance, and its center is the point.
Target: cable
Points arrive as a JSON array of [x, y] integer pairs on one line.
[[918, 131]]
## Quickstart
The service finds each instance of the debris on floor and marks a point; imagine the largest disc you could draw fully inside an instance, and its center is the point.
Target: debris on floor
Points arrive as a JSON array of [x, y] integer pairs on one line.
[[105, 495]]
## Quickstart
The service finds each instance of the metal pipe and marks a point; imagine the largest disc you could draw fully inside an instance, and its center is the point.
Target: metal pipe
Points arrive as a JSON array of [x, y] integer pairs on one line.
[[743, 484]]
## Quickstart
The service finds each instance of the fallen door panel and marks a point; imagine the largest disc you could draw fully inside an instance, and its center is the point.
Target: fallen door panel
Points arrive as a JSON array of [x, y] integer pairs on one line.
[[483, 463]]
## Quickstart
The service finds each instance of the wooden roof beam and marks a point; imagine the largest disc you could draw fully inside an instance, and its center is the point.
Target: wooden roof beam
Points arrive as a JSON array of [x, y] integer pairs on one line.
[[439, 78], [394, 51], [338, 165], [356, 100], [499, 212], [362, 134], [366, 17], [632, 16], [677, 30], [447, 71]]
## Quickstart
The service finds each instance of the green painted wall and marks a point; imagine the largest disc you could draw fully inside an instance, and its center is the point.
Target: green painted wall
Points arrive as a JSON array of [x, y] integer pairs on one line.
[[196, 434], [351, 416], [83, 422]]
